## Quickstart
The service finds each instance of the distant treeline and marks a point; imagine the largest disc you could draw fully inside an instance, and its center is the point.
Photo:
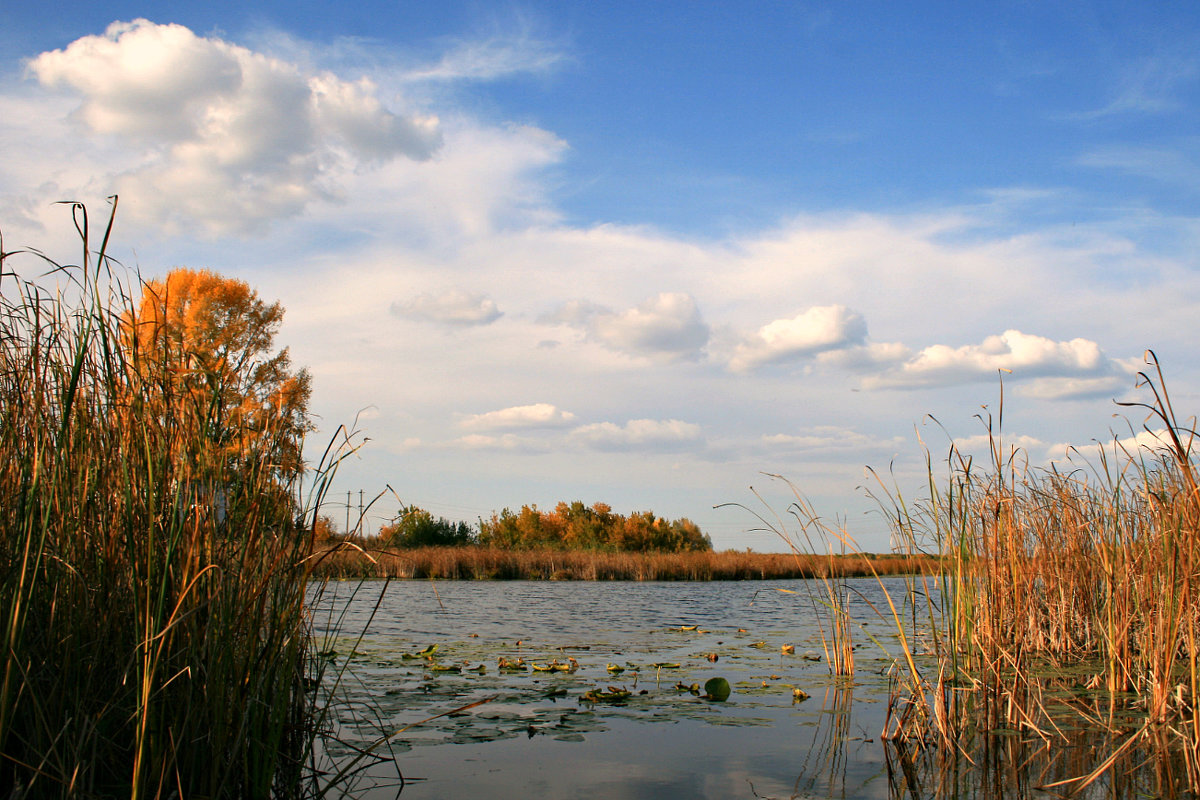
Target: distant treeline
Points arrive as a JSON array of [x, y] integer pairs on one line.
[[570, 526], [350, 561]]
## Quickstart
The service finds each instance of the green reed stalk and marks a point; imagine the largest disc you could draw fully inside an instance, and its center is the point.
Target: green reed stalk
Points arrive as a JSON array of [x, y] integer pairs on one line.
[[152, 581]]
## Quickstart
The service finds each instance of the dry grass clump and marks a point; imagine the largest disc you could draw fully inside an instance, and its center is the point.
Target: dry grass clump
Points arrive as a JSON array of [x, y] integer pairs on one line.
[[152, 576], [493, 563], [1085, 581]]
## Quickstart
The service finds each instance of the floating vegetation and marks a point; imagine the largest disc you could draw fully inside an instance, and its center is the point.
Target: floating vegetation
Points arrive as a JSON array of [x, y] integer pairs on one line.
[[609, 695], [426, 653], [717, 689]]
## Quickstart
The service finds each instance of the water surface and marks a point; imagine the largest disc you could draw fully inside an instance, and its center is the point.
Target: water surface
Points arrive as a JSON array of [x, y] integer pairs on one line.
[[537, 736]]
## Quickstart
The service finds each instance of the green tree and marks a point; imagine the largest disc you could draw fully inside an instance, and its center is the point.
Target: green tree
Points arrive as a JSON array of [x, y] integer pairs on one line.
[[416, 527]]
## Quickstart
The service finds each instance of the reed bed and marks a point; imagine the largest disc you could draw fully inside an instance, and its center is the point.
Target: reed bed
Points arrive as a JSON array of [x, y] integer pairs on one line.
[[152, 571], [342, 561], [1080, 584]]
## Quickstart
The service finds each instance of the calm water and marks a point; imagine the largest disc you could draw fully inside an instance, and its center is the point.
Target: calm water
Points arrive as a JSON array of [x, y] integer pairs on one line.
[[537, 737]]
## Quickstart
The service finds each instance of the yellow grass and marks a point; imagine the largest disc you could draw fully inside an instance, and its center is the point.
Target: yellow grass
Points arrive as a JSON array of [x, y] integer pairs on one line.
[[490, 563]]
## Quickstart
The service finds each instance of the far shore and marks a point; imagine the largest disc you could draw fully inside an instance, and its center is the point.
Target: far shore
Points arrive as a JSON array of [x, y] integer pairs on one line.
[[343, 560]]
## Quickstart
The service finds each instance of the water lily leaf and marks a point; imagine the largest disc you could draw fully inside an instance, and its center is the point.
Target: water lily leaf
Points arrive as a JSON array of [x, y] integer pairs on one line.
[[716, 689]]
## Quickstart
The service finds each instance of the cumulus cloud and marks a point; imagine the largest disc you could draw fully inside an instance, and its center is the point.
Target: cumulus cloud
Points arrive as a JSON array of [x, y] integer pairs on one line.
[[234, 138], [638, 434], [454, 307], [817, 330], [1024, 355], [538, 415], [668, 326]]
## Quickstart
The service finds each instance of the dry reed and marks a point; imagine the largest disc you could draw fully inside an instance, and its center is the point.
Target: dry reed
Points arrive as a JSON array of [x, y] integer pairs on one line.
[[151, 586], [1083, 582], [340, 561]]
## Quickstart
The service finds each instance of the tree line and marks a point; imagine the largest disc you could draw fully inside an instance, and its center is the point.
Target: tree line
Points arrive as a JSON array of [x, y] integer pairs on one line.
[[570, 526]]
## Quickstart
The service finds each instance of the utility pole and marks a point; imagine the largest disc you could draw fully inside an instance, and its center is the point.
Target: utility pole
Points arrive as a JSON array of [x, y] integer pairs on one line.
[[347, 512]]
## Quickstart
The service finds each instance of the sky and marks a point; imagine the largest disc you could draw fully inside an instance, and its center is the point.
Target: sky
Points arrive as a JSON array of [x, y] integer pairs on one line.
[[649, 255]]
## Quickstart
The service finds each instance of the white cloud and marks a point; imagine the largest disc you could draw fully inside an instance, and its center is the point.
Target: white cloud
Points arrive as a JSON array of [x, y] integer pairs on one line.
[[1117, 450], [830, 439], [1075, 388], [819, 329], [1024, 355], [668, 325], [868, 356], [507, 442], [538, 415], [1168, 164], [639, 434], [1150, 86], [233, 138], [979, 446], [492, 58], [453, 307]]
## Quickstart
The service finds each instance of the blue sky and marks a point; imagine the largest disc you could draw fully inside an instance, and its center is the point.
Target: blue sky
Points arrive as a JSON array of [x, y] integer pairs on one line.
[[641, 254]]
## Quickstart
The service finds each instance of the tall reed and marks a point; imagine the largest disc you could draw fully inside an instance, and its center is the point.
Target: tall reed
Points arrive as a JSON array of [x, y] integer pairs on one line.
[[151, 585], [1093, 571]]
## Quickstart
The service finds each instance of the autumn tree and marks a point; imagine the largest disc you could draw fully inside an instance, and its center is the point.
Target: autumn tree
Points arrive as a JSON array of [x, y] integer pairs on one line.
[[574, 526], [207, 342]]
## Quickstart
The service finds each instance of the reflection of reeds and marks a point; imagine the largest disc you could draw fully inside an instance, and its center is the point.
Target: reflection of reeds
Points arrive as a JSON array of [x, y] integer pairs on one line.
[[493, 563], [1095, 571], [152, 576], [824, 769]]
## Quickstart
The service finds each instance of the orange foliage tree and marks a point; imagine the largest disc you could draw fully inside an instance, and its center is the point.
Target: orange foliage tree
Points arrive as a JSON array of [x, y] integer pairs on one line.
[[207, 342], [574, 526]]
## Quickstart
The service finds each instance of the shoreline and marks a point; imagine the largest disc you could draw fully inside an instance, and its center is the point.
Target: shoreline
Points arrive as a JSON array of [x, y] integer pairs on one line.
[[347, 561]]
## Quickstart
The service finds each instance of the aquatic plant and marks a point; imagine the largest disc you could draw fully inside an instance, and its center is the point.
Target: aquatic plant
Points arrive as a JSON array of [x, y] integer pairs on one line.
[[153, 559], [1082, 583]]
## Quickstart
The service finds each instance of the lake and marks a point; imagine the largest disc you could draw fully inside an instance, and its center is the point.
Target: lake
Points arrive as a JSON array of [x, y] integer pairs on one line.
[[537, 735]]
